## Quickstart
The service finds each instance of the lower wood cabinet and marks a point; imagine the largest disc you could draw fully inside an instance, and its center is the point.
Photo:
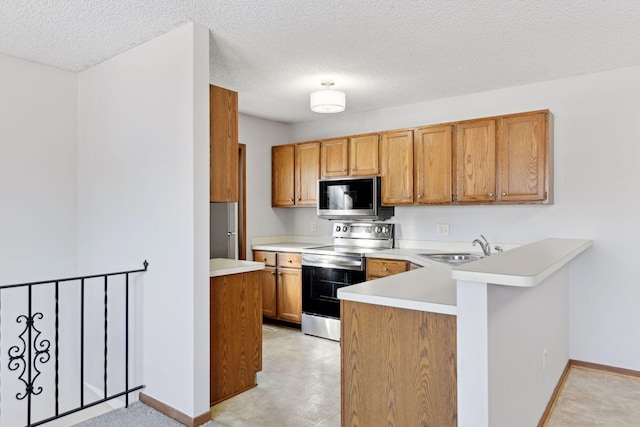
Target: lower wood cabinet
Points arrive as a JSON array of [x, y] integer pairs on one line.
[[398, 367], [289, 287], [381, 267], [235, 334], [281, 283]]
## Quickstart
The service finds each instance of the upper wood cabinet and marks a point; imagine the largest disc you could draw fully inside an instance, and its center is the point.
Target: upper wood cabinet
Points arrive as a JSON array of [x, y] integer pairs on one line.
[[282, 175], [354, 156], [396, 161], [504, 159], [363, 155], [475, 146], [223, 145], [523, 157], [495, 160], [295, 171], [432, 158], [334, 158], [307, 173]]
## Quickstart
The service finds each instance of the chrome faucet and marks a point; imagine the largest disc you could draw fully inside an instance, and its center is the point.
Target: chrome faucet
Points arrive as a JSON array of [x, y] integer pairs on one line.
[[486, 247]]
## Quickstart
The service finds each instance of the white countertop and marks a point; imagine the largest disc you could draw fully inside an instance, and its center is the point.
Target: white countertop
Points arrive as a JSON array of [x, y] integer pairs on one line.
[[285, 246], [430, 288], [433, 288], [225, 267], [525, 266]]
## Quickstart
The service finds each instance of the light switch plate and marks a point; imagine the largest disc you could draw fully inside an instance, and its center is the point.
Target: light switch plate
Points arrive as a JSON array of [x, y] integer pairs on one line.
[[314, 226]]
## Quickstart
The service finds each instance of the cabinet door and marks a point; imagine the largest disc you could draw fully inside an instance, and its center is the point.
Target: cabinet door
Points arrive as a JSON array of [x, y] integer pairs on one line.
[[268, 279], [307, 173], [223, 145], [522, 157], [234, 312], [290, 294], [396, 159], [476, 161], [363, 155], [334, 157], [282, 175], [432, 155]]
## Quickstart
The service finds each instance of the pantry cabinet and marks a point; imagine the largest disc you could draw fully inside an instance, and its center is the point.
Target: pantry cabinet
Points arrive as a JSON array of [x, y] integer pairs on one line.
[[353, 156], [294, 174], [223, 145], [396, 160], [432, 150]]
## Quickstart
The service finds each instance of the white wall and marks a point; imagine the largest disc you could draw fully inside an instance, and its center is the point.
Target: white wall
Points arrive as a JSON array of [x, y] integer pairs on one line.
[[38, 143], [259, 135], [596, 196], [143, 194], [37, 171]]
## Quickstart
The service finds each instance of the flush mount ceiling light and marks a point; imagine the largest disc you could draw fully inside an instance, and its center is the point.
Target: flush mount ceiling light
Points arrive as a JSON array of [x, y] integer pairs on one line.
[[327, 100]]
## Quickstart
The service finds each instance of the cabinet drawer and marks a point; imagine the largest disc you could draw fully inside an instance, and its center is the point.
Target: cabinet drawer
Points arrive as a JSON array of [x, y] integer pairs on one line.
[[377, 267], [269, 258], [289, 260]]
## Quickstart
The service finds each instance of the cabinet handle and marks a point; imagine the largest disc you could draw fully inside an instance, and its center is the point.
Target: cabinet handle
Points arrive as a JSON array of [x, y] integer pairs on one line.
[[264, 260], [490, 194], [273, 271], [298, 199], [385, 269], [353, 170], [344, 170], [290, 261], [419, 196], [291, 200], [504, 193]]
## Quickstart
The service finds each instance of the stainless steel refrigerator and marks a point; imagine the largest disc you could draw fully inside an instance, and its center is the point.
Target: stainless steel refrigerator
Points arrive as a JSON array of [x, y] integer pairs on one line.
[[223, 218]]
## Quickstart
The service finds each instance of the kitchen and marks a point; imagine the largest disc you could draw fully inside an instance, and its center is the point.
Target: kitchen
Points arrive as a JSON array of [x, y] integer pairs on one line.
[[594, 166], [355, 188]]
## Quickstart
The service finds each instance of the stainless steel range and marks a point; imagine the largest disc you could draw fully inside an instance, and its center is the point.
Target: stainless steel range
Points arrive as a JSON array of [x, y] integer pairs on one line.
[[325, 269]]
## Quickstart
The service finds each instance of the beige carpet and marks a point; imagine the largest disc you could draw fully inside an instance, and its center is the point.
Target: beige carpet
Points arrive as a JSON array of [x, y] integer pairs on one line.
[[137, 415]]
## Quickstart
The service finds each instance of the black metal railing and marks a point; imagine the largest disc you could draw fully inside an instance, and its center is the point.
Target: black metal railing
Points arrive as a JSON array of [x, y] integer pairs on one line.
[[32, 351]]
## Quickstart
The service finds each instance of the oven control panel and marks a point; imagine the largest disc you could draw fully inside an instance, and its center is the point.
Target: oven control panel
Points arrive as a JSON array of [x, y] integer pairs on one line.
[[363, 230]]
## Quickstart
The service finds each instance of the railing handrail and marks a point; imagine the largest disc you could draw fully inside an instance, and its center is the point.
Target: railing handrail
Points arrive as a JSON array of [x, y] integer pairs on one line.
[[70, 279], [34, 349]]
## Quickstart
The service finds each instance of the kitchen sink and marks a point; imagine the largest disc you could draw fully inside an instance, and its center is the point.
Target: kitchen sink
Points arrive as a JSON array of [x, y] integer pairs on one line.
[[453, 258]]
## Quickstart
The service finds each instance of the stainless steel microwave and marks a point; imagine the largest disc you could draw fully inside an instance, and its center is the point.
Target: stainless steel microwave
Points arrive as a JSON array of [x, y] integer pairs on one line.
[[352, 198]]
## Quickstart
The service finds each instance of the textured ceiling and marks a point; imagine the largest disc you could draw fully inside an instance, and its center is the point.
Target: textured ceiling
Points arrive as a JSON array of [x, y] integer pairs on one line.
[[380, 52]]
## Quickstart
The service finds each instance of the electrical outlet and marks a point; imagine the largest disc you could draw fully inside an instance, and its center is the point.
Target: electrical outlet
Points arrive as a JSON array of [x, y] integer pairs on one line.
[[442, 229], [314, 226], [544, 360]]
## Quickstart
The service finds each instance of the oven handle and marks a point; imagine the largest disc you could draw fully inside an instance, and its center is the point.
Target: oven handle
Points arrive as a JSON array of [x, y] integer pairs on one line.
[[354, 263]]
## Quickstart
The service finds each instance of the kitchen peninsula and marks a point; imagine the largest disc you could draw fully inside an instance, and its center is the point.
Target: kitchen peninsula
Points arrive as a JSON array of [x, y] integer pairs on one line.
[[235, 312], [480, 344]]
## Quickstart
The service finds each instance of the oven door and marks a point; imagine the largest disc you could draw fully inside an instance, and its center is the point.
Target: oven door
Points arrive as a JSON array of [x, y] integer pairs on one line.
[[320, 289]]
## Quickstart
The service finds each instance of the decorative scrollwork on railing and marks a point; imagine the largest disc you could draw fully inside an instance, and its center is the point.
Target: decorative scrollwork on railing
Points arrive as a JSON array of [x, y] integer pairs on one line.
[[17, 355]]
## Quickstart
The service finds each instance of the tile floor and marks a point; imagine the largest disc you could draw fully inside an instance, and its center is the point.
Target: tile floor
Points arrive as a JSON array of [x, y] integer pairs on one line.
[[597, 399], [299, 386]]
